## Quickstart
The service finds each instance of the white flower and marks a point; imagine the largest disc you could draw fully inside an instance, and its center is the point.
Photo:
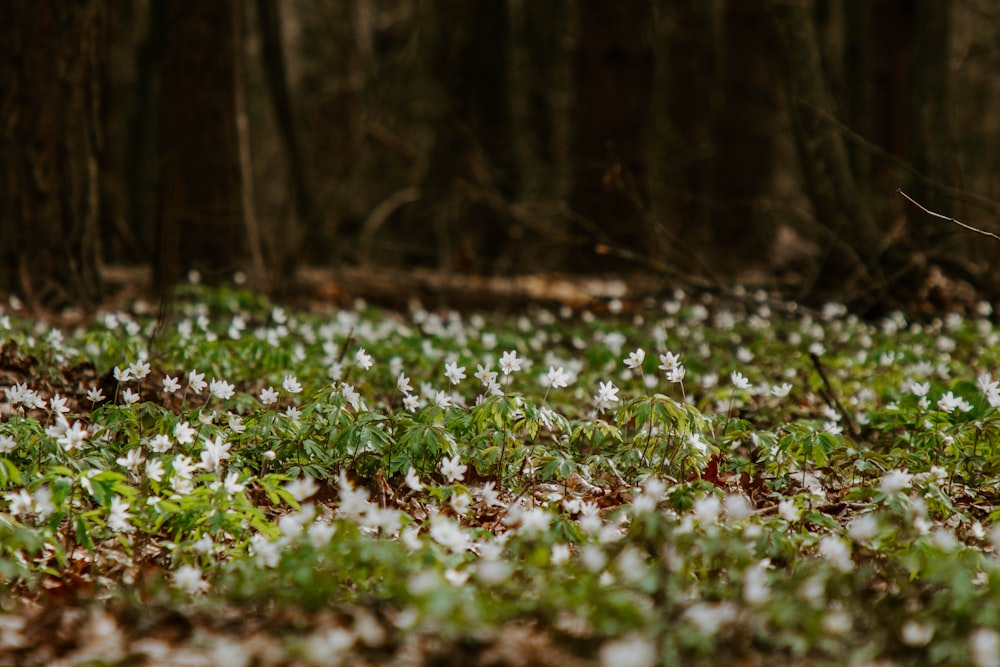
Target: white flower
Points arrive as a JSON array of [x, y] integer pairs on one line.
[[20, 502], [559, 554], [302, 488], [58, 404], [490, 495], [756, 587], [183, 467], [984, 648], [707, 510], [188, 578], [122, 376], [363, 359], [196, 381], [350, 395], [320, 533], [442, 400], [557, 377], [215, 452], [411, 403], [221, 389], [235, 422], [676, 374], [203, 545], [895, 481], [950, 403], [737, 507], [509, 363], [291, 384], [916, 634], [403, 384], [534, 522], [607, 393], [154, 470], [267, 553], [628, 651], [454, 372], [132, 460], [448, 534], [413, 480], [460, 502], [43, 501], [635, 359], [788, 510], [781, 390], [184, 433], [130, 397], [836, 621], [837, 552], [739, 381], [95, 395], [268, 396], [669, 361], [7, 444], [73, 437], [232, 484], [170, 384], [139, 369], [118, 515], [485, 375], [453, 469]]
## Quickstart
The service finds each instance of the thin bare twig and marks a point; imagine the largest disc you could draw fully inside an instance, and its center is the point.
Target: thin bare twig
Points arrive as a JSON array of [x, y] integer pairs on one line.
[[945, 217], [831, 396]]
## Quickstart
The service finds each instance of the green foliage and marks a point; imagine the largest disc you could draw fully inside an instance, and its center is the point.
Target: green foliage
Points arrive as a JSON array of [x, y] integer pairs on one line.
[[702, 509]]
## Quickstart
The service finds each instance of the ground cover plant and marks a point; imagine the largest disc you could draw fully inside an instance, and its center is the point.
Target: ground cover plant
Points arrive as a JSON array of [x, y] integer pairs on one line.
[[686, 481]]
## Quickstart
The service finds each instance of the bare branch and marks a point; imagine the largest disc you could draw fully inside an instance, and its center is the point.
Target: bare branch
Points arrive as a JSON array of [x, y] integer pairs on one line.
[[945, 217]]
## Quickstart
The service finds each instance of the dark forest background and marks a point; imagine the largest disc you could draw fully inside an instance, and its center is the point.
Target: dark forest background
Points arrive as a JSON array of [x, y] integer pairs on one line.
[[712, 142]]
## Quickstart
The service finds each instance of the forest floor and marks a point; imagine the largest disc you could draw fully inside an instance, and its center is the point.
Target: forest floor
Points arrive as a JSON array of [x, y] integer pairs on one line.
[[245, 484]]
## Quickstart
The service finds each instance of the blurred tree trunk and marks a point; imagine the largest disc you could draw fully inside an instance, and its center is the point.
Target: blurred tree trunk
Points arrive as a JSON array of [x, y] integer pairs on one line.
[[201, 224], [933, 136], [686, 103], [276, 77], [540, 92], [469, 180], [326, 81], [850, 268], [743, 135], [614, 70], [51, 138]]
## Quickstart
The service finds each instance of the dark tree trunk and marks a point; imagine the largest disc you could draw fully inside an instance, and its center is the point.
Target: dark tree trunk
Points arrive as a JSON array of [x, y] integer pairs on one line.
[[614, 70], [201, 224], [273, 61], [470, 180], [681, 176], [933, 137], [51, 138], [850, 269], [744, 132]]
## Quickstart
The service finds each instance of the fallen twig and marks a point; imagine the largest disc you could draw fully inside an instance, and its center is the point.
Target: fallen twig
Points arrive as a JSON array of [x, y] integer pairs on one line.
[[945, 217], [831, 396]]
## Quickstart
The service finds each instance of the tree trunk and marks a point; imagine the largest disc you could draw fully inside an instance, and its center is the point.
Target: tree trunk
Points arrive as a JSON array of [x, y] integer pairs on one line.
[[687, 73], [51, 138], [286, 121], [743, 135], [614, 69], [933, 137], [849, 271], [469, 181], [201, 223]]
